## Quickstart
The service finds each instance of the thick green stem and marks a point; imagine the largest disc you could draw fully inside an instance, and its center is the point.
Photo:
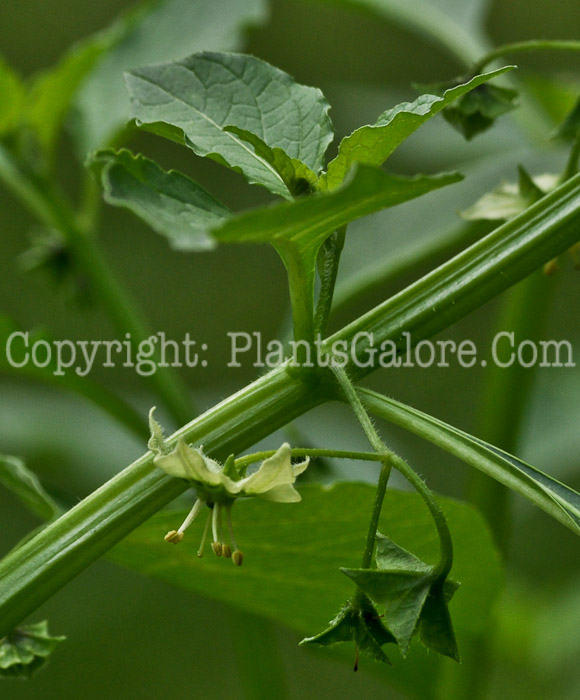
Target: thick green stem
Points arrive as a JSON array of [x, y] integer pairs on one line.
[[43, 565], [301, 273], [523, 46], [52, 209]]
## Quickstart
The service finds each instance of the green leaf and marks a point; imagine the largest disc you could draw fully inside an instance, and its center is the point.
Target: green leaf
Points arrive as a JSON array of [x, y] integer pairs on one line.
[[297, 176], [557, 499], [12, 95], [25, 485], [456, 25], [171, 203], [52, 91], [306, 223], [26, 649], [358, 622], [412, 594], [373, 144], [158, 32], [207, 92], [291, 565], [477, 111]]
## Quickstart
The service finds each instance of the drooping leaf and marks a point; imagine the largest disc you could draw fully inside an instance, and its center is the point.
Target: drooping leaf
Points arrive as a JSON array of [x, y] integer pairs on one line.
[[171, 203], [373, 144], [26, 649], [456, 25], [413, 596], [207, 92], [52, 91], [16, 477], [12, 95], [358, 622], [557, 499], [157, 32], [291, 565], [305, 223], [476, 111]]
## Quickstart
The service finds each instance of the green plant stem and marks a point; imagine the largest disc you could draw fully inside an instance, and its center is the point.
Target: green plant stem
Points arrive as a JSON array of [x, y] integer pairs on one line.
[[373, 437], [430, 250], [330, 252], [244, 462], [393, 460], [301, 285], [52, 209], [451, 291], [523, 46], [43, 565], [445, 543]]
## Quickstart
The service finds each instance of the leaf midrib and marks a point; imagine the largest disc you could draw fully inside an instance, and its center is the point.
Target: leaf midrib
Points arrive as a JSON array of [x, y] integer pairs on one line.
[[229, 134]]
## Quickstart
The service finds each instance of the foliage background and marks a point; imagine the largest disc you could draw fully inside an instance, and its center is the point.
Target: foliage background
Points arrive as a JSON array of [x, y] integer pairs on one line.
[[131, 637]]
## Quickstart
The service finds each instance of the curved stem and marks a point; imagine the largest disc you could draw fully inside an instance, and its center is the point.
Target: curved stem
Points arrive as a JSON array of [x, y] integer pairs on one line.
[[523, 46], [445, 543], [375, 440]]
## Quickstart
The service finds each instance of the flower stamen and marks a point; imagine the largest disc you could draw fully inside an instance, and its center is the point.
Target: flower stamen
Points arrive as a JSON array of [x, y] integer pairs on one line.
[[175, 536], [204, 536], [215, 529]]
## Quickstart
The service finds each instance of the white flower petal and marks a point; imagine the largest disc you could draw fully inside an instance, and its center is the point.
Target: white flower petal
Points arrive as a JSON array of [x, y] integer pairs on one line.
[[274, 471], [189, 463], [300, 467], [286, 493]]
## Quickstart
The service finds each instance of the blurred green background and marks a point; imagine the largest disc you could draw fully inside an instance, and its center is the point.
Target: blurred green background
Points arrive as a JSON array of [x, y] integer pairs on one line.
[[133, 638]]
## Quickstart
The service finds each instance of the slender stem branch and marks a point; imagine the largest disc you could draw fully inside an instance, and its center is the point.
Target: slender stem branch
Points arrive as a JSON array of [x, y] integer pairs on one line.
[[375, 440], [330, 252], [445, 542], [52, 209], [243, 462], [523, 46]]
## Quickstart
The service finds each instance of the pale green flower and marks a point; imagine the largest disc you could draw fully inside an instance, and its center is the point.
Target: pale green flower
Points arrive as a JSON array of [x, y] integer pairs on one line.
[[218, 486]]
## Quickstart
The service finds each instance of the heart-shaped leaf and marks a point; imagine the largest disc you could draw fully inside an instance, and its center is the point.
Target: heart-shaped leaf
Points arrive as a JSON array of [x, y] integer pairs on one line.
[[207, 92]]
